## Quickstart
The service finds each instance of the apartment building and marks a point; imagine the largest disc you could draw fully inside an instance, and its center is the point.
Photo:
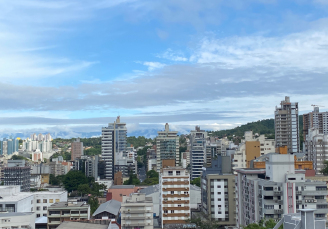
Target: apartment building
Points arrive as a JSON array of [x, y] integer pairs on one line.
[[17, 173], [250, 148], [197, 151], [167, 146], [65, 211], [137, 211], [174, 195], [113, 142], [286, 125], [76, 149], [17, 220], [277, 190], [218, 192], [87, 164], [316, 148], [315, 119]]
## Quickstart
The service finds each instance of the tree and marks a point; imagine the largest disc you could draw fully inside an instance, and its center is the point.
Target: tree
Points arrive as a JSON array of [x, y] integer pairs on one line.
[[263, 224], [73, 179], [94, 204], [196, 181], [205, 223], [84, 189], [133, 180], [17, 157], [324, 171], [54, 180]]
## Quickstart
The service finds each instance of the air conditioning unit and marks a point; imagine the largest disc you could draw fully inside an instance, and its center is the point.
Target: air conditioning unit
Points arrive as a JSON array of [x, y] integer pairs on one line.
[[186, 188]]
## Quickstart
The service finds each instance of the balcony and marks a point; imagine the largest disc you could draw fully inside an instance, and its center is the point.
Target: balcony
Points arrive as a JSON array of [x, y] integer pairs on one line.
[[278, 211], [277, 193]]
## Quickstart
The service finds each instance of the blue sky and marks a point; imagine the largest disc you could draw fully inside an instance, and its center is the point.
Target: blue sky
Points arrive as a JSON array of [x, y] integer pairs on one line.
[[72, 66]]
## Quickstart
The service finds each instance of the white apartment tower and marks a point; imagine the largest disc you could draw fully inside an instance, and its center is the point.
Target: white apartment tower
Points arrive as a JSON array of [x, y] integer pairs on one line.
[[113, 142], [197, 151], [167, 146], [286, 125], [315, 119], [174, 196]]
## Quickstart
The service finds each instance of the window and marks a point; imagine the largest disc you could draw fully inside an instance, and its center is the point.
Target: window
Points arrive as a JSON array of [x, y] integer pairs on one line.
[[51, 200], [38, 201], [57, 200], [179, 205], [44, 207], [170, 173], [178, 173], [44, 200], [37, 215], [31, 209], [172, 192], [172, 211], [38, 208], [44, 214], [165, 211]]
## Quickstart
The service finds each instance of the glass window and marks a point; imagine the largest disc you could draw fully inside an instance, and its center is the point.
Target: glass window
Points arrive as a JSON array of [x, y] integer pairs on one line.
[[51, 200], [38, 201], [44, 200], [57, 200]]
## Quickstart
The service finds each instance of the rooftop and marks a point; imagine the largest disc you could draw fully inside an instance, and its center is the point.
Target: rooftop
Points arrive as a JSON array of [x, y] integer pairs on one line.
[[111, 206], [80, 225], [122, 187], [66, 204], [11, 214]]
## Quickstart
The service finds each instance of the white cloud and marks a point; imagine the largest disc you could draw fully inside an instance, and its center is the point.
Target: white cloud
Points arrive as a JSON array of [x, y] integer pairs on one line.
[[153, 65], [171, 55]]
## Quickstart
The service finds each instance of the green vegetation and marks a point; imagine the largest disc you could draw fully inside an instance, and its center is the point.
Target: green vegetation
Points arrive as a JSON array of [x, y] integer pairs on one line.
[[66, 155], [93, 142], [196, 181], [133, 180], [139, 141], [73, 179], [96, 150], [205, 223], [142, 157], [17, 157], [263, 224], [324, 171], [152, 178]]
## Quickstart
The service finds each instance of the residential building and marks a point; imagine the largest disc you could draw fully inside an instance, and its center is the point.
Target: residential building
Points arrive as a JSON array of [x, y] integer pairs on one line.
[[17, 173], [154, 190], [218, 191], [151, 157], [64, 211], [167, 146], [185, 159], [88, 224], [116, 192], [174, 195], [126, 166], [286, 125], [13, 200], [277, 190], [137, 211], [40, 175], [304, 219], [17, 220], [76, 149], [107, 210], [113, 142], [87, 164], [197, 151], [9, 146], [316, 148], [251, 147], [317, 120]]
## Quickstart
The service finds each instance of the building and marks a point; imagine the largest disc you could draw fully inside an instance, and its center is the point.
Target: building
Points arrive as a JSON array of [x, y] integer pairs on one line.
[[113, 142], [87, 164], [286, 125], [218, 192], [185, 159], [17, 173], [76, 149], [17, 220], [116, 192], [40, 175], [167, 146], [197, 151], [303, 220], [107, 210], [88, 225], [174, 195], [277, 190], [316, 148], [9, 146], [65, 211], [317, 120], [251, 148], [137, 211], [15, 201]]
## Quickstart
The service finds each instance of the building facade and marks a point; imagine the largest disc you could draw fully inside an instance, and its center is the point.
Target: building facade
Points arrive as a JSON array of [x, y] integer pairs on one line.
[[113, 142], [167, 146], [17, 173], [76, 149], [315, 119], [174, 196], [137, 211], [197, 151], [286, 125], [17, 220], [277, 190]]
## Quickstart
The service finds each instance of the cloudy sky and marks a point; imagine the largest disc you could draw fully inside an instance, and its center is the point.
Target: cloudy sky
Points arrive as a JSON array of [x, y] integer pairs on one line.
[[69, 67]]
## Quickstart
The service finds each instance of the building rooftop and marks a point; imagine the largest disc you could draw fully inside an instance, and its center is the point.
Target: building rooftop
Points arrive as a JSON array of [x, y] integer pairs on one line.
[[155, 188], [80, 225], [122, 187], [11, 214], [66, 204], [41, 220], [111, 206]]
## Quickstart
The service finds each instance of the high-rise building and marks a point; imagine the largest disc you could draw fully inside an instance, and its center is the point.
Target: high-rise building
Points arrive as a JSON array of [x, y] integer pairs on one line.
[[88, 165], [277, 190], [286, 125], [174, 195], [167, 146], [76, 149], [9, 146], [137, 211], [197, 151], [315, 119], [17, 173], [113, 142], [316, 148], [218, 191]]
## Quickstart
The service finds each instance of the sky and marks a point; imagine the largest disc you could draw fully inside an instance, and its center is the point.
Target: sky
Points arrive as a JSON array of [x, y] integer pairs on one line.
[[69, 67]]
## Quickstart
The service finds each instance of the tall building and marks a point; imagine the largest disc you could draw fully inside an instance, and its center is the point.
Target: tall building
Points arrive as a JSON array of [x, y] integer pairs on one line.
[[286, 125], [17, 173], [137, 211], [167, 146], [113, 142], [218, 191], [277, 190], [9, 146], [88, 165], [76, 149], [315, 119], [174, 195], [197, 151], [316, 148]]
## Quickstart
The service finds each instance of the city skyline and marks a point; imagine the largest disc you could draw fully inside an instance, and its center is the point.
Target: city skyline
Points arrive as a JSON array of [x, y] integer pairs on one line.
[[214, 64]]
